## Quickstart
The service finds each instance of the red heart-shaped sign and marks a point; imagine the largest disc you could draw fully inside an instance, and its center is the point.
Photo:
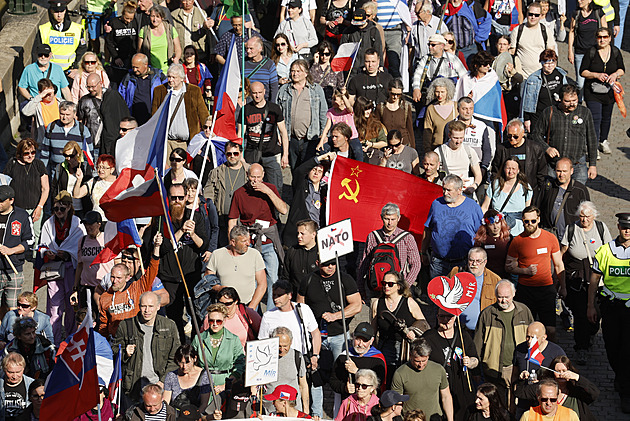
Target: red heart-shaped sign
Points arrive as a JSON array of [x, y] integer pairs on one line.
[[453, 295]]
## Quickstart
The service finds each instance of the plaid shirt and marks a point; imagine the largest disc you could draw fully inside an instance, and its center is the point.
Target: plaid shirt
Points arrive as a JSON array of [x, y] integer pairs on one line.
[[573, 134], [451, 68]]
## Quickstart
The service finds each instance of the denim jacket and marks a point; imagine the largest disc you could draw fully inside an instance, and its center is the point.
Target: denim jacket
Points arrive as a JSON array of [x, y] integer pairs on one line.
[[319, 107], [531, 89]]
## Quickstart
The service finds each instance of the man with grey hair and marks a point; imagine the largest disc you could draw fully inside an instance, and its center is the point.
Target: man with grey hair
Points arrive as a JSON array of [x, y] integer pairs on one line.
[[500, 328], [426, 26], [486, 283], [450, 228], [152, 406], [399, 239], [259, 68], [529, 154], [187, 111], [425, 382], [60, 132], [148, 343]]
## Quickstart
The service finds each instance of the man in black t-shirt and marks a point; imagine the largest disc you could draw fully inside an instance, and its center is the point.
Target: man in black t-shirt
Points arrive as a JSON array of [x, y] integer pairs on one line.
[[320, 291], [14, 386], [264, 119], [371, 83]]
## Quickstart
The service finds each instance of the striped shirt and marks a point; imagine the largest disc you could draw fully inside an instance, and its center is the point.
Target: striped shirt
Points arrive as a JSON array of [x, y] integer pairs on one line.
[[55, 139], [388, 16], [160, 416], [265, 74]]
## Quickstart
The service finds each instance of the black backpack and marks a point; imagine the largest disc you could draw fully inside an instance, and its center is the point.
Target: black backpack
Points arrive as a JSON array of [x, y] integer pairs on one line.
[[385, 258], [598, 224]]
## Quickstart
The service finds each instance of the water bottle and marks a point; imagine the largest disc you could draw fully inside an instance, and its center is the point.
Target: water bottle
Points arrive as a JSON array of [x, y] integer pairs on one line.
[[533, 378]]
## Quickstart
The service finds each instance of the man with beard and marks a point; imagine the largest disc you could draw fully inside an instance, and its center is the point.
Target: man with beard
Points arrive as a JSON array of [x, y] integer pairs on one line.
[[222, 182], [450, 228], [120, 301], [530, 256], [192, 240], [255, 205], [240, 266], [500, 328]]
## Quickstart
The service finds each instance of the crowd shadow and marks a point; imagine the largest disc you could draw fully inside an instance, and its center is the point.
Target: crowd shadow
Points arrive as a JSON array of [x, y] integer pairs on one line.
[[607, 186]]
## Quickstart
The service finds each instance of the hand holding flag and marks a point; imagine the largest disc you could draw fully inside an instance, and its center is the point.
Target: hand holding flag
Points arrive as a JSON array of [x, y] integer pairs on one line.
[[533, 353]]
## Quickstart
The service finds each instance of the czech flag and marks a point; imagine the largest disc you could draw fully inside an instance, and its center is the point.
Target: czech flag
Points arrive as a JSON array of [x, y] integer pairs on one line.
[[533, 354], [139, 154], [344, 59], [116, 380], [72, 388], [87, 153], [118, 236], [227, 96]]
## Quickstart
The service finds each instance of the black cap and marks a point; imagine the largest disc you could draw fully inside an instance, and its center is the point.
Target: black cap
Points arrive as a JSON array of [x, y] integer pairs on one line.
[[623, 219], [188, 413], [364, 330], [92, 217], [43, 49], [6, 192], [295, 3], [57, 6], [359, 17], [390, 398]]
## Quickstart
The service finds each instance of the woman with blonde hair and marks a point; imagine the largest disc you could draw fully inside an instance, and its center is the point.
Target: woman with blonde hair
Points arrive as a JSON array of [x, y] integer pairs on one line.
[[441, 110], [89, 64]]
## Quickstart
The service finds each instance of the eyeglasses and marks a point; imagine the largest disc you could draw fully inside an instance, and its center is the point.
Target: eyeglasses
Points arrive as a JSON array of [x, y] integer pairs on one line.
[[102, 167], [395, 93], [24, 305], [59, 208], [281, 44], [72, 155], [534, 15], [327, 53], [29, 153], [217, 322], [530, 221], [362, 385], [227, 304], [177, 198], [176, 159], [232, 153], [389, 284], [38, 397], [552, 400], [90, 61], [513, 136], [476, 261], [206, 127]]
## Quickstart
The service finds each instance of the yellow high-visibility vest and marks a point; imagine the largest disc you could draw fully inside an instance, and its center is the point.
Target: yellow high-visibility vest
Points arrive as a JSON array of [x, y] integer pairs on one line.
[[609, 11], [62, 44]]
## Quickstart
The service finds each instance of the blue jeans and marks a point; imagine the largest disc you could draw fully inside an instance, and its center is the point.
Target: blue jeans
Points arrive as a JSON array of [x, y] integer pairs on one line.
[[273, 171], [334, 344], [271, 267], [623, 9], [300, 150], [442, 267], [317, 401], [579, 79], [602, 117]]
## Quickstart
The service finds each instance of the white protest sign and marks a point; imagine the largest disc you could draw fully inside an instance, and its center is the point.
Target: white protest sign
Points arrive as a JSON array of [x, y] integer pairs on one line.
[[335, 238], [262, 362]]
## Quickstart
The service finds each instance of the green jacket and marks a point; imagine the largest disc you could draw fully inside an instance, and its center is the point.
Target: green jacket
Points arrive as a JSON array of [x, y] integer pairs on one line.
[[163, 346], [490, 334], [229, 357]]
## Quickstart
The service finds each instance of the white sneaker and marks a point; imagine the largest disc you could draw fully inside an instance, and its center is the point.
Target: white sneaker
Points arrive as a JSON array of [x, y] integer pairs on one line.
[[599, 156], [605, 147]]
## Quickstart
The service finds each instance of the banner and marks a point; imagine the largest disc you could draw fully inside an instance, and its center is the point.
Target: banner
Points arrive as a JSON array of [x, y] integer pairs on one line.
[[358, 191]]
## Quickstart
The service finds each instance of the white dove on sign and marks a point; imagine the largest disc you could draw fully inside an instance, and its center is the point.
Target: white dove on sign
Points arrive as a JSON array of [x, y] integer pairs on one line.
[[450, 297], [262, 357]]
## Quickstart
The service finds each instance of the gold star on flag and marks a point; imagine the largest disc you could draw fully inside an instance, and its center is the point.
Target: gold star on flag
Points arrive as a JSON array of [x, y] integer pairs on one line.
[[356, 171]]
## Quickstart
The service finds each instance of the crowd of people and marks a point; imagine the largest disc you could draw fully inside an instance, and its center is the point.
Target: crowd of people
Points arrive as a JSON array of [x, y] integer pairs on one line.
[[420, 97]]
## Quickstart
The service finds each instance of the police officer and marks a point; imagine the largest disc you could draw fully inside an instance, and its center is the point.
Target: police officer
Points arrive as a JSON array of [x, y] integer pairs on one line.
[[66, 38], [612, 266]]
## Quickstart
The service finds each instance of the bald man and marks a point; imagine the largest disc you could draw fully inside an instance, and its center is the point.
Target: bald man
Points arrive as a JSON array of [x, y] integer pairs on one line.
[[137, 87], [263, 121], [536, 332], [255, 204]]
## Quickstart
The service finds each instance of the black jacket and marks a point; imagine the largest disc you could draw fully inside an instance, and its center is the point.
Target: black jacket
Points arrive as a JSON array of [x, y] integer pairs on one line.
[[113, 109], [535, 164], [298, 262], [370, 38], [339, 376], [577, 193], [18, 231], [60, 183], [122, 41]]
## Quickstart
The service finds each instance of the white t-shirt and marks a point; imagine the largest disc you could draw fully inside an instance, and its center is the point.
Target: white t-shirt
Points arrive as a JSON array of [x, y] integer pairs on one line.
[[458, 162], [275, 318], [238, 272]]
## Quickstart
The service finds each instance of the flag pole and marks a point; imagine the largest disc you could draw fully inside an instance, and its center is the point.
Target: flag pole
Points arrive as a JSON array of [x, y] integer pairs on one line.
[[204, 15], [98, 409], [343, 312], [243, 69], [352, 66], [459, 326], [193, 316], [203, 166]]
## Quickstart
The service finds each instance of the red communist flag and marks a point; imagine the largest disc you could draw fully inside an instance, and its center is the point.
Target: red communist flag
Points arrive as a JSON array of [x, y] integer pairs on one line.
[[358, 191]]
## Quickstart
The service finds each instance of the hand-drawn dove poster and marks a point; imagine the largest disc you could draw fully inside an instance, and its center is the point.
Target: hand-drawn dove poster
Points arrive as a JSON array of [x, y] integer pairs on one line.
[[262, 362]]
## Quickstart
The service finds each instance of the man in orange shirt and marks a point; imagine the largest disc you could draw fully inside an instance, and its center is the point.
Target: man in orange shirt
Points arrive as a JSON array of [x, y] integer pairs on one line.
[[121, 300], [530, 256]]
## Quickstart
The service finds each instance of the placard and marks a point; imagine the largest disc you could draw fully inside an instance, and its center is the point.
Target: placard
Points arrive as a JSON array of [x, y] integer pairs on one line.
[[261, 361], [335, 238]]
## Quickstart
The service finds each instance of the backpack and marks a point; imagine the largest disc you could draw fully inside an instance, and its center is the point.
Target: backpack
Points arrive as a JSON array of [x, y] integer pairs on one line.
[[598, 224], [481, 24], [385, 258], [543, 31]]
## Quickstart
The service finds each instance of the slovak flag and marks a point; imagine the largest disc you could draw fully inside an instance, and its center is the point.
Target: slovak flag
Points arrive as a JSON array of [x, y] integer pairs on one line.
[[72, 388], [345, 57], [227, 96], [139, 154], [118, 236], [116, 379], [533, 354], [487, 94], [87, 153]]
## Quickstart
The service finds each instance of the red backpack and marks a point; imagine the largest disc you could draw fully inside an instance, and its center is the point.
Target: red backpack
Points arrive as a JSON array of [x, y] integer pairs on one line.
[[385, 258]]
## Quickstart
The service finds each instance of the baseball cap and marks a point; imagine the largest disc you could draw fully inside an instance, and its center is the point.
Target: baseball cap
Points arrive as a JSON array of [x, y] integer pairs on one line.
[[188, 413], [43, 49], [437, 38], [359, 17], [92, 217], [623, 219], [390, 398], [283, 391], [6, 192], [364, 330]]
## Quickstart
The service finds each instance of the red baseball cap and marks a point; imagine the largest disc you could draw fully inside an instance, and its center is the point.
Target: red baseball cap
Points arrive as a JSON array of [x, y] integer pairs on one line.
[[283, 391]]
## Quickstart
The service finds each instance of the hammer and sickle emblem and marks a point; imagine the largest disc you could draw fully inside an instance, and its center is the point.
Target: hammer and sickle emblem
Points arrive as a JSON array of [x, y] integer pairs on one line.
[[350, 194]]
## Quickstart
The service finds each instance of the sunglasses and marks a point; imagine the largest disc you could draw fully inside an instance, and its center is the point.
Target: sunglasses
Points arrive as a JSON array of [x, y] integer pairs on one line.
[[396, 145], [529, 221], [552, 400], [176, 198], [29, 153], [362, 386], [24, 305], [603, 36], [281, 44], [217, 322], [59, 208], [328, 264], [72, 155], [445, 316], [228, 303], [90, 61], [534, 15], [451, 41], [176, 159], [206, 127], [327, 54], [43, 55], [232, 153], [395, 93], [127, 257], [433, 44], [124, 129], [512, 136], [389, 284]]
